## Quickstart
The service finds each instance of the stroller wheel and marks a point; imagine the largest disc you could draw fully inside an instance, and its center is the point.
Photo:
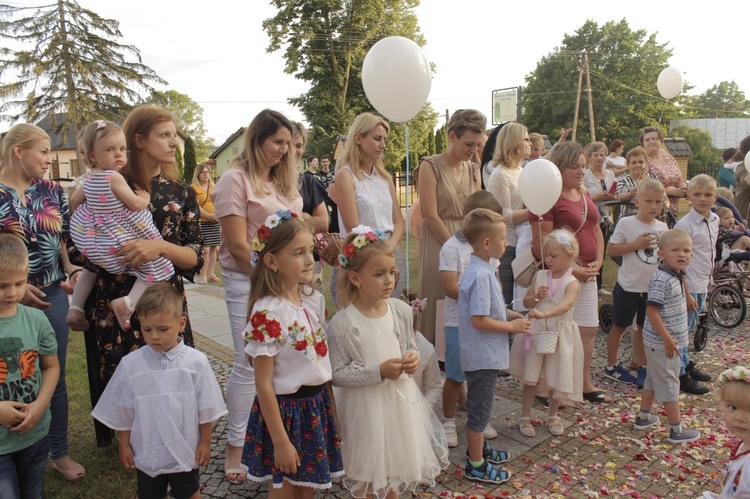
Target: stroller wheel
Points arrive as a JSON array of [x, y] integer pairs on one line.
[[701, 333], [606, 317]]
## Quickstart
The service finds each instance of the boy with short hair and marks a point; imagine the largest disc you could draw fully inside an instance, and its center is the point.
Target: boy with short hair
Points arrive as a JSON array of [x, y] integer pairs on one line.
[[703, 227], [454, 257], [636, 239], [31, 370], [163, 389], [483, 339], [665, 334]]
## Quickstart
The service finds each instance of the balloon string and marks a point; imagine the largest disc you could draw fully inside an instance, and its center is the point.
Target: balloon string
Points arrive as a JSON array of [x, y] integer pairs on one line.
[[406, 195]]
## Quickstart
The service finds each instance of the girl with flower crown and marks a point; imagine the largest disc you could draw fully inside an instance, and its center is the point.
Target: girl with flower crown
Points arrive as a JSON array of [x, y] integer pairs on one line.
[[734, 397], [392, 440], [552, 294], [291, 437]]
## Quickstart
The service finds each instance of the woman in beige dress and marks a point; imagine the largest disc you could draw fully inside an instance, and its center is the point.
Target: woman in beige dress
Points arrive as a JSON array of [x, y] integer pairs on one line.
[[445, 181]]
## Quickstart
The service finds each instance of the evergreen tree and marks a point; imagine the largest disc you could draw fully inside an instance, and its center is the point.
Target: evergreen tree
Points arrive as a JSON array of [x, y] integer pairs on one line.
[[178, 160], [63, 58], [189, 160], [441, 140]]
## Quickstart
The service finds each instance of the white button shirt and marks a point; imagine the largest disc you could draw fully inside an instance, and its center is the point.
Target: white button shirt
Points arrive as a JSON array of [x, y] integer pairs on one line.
[[703, 232]]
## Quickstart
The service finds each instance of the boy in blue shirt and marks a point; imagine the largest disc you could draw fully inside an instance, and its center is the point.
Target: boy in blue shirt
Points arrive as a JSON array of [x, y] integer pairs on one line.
[[28, 377], [483, 340]]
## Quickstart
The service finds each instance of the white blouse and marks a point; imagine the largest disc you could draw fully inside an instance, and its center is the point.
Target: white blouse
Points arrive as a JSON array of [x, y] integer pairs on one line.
[[374, 202], [162, 398], [503, 184], [295, 337]]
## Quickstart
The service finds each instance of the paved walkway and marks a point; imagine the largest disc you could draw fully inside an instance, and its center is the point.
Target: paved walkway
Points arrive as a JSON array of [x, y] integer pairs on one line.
[[599, 455]]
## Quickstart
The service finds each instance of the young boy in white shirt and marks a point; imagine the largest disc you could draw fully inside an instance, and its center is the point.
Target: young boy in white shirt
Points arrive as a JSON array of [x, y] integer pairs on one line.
[[703, 227], [636, 239]]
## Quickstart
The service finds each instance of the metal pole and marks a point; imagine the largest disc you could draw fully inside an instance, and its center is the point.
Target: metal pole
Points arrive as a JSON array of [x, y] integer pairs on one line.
[[578, 98], [591, 98]]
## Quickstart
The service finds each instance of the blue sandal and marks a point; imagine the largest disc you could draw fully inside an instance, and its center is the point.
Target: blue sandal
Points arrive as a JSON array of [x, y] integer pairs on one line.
[[494, 456], [487, 473]]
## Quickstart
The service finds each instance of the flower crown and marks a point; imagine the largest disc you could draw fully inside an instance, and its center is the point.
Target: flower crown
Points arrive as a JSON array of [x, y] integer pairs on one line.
[[736, 373], [365, 236], [264, 232]]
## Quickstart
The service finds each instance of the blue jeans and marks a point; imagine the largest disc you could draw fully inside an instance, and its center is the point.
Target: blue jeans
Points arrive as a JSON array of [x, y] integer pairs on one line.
[[22, 472], [700, 300], [58, 430]]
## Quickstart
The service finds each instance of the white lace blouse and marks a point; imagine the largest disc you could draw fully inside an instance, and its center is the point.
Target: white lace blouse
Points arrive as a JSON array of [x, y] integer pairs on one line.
[[295, 337]]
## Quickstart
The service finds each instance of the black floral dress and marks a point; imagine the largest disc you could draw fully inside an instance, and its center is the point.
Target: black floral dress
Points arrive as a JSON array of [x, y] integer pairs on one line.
[[176, 215]]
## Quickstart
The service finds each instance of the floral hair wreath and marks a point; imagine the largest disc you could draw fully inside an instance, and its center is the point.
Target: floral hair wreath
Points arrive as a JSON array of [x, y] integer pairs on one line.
[[365, 236], [264, 232], [736, 373]]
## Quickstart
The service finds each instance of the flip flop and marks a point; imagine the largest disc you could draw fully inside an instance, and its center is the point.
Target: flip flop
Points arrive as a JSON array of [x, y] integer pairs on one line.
[[235, 471], [598, 397], [72, 475]]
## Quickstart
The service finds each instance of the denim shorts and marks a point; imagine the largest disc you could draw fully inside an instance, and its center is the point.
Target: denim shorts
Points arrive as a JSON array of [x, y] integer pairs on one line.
[[453, 369]]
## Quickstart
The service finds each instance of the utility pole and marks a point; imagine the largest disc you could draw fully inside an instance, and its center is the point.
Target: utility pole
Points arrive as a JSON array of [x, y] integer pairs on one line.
[[591, 98], [578, 98]]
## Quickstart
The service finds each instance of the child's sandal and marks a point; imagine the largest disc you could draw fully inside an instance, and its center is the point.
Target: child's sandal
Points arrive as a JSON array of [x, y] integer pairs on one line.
[[556, 427], [526, 428]]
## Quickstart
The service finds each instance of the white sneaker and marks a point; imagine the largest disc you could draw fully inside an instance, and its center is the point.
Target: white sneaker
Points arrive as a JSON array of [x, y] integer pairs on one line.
[[604, 292], [489, 432], [451, 438]]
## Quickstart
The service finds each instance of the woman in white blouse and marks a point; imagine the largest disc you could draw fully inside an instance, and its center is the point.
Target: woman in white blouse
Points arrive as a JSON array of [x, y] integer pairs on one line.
[[511, 149], [363, 189]]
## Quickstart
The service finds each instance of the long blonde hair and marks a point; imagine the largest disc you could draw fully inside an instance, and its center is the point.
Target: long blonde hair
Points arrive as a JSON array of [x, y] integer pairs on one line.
[[507, 144], [197, 173], [141, 121], [284, 174], [23, 135], [565, 155], [352, 156]]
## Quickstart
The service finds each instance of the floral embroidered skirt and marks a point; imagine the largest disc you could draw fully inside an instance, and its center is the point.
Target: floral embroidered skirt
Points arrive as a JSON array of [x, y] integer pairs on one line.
[[311, 427]]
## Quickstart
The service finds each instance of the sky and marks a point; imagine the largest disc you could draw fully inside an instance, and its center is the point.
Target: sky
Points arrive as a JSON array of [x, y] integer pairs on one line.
[[215, 52]]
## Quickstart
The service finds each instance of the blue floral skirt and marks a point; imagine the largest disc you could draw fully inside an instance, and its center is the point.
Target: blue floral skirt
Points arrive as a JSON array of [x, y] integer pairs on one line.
[[311, 427]]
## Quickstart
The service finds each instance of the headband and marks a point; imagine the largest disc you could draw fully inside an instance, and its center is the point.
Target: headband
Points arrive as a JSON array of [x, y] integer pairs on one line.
[[365, 236], [264, 232], [736, 373], [562, 237]]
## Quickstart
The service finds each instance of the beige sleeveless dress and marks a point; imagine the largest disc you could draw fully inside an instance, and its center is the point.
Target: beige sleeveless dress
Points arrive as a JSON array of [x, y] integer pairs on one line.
[[451, 195]]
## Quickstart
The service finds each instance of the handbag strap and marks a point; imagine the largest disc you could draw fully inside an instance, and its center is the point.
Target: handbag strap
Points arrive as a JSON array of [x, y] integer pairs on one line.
[[585, 212]]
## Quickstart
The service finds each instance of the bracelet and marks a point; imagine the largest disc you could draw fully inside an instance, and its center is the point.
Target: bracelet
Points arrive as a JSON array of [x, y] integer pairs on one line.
[[74, 272]]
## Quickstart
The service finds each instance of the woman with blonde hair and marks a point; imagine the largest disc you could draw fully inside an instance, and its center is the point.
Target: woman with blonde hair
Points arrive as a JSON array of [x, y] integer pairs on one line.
[[261, 180], [364, 191], [36, 209], [203, 185], [512, 147], [445, 181], [151, 138]]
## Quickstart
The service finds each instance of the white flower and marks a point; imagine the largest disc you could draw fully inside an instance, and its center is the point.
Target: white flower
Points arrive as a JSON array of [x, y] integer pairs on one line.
[[272, 221], [359, 241], [361, 230]]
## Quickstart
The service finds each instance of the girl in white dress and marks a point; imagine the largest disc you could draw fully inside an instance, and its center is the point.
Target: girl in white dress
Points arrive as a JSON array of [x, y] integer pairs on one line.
[[391, 439], [552, 293], [734, 396], [291, 437]]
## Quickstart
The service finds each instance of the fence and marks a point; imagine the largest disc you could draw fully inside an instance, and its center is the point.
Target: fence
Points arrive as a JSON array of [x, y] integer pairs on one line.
[[710, 170], [407, 193]]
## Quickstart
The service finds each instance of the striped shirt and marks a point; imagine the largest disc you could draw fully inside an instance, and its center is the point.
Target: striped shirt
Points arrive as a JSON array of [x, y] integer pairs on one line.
[[666, 292]]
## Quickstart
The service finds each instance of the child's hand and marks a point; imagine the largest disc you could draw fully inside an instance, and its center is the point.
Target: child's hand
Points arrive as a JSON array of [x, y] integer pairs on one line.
[[645, 241], [126, 456], [536, 314], [670, 348], [692, 305], [143, 195], [411, 363], [11, 413], [203, 454], [33, 412], [285, 457], [391, 369], [542, 293], [512, 314], [519, 326]]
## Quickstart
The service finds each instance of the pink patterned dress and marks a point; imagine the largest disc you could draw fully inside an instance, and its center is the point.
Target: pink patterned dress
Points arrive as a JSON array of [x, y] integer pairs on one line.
[[669, 175]]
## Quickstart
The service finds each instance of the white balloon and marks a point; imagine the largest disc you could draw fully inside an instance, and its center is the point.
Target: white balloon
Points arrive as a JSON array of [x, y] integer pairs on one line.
[[396, 78], [539, 186], [670, 82]]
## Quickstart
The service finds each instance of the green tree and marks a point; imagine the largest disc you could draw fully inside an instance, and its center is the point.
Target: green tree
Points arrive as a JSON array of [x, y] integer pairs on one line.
[[62, 58], [189, 159], [178, 160], [624, 66], [724, 100], [325, 43], [188, 116], [441, 139], [701, 145]]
